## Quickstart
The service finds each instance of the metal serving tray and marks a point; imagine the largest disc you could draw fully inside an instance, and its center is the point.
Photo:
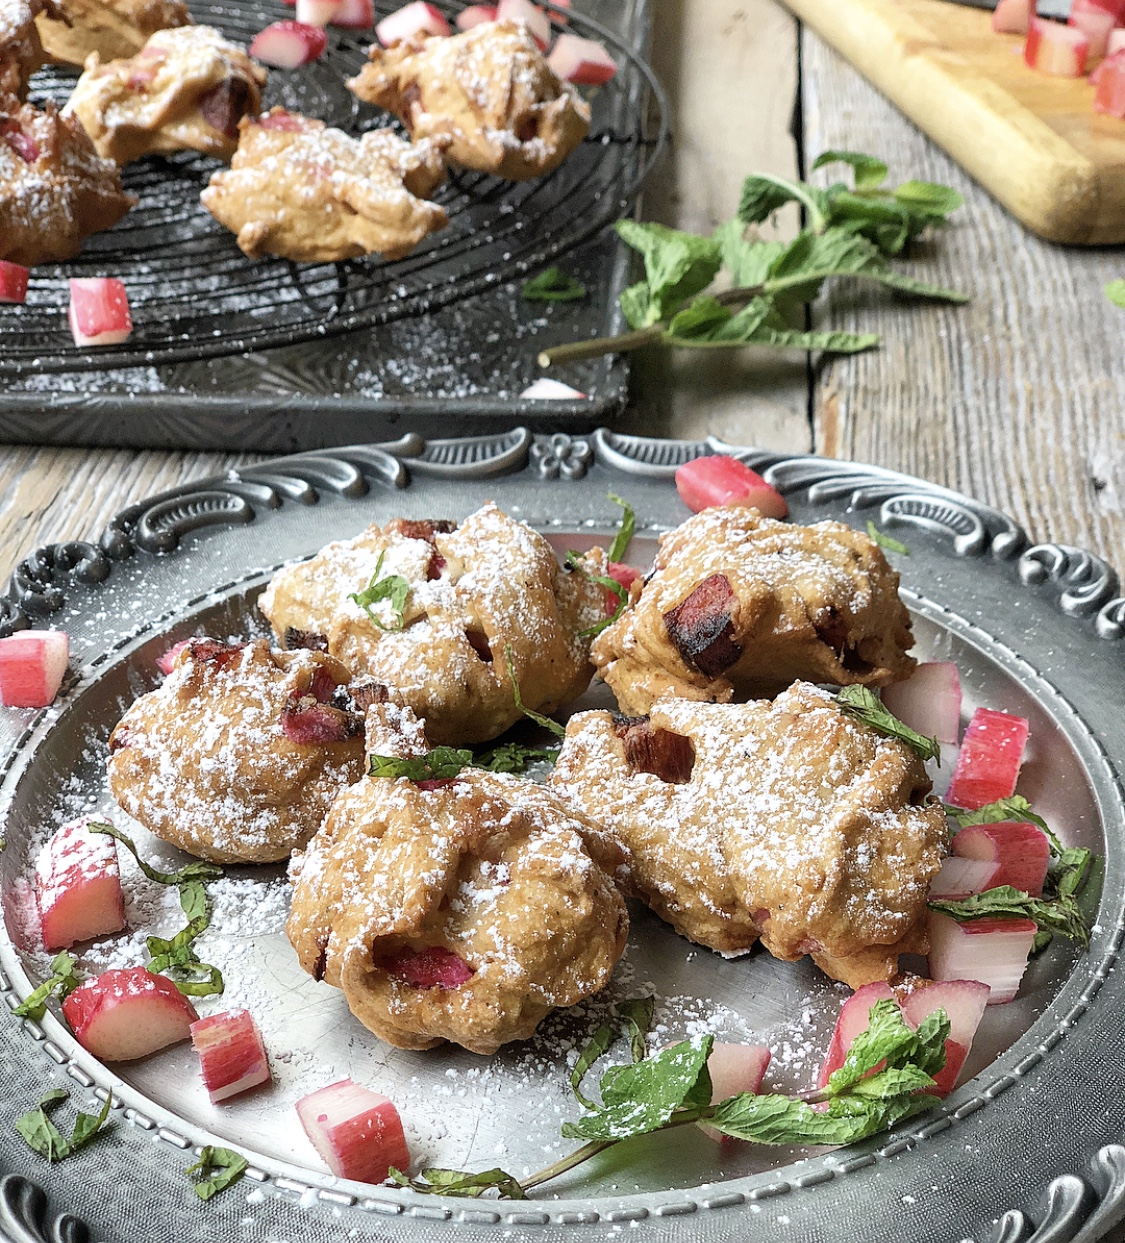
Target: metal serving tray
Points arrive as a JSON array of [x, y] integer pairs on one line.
[[1029, 1148]]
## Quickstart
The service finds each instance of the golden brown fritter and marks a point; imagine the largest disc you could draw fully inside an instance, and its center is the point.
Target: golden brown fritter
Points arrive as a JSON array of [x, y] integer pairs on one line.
[[788, 820], [474, 593], [308, 193], [55, 190], [489, 92], [239, 753], [185, 90], [463, 909], [115, 29], [21, 51], [739, 604]]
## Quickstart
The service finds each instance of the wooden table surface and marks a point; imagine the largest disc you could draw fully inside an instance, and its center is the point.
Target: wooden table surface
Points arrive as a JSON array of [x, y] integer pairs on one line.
[[1017, 399]]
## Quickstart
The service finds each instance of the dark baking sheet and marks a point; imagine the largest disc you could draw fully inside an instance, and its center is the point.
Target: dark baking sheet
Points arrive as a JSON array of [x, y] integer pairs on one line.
[[439, 342]]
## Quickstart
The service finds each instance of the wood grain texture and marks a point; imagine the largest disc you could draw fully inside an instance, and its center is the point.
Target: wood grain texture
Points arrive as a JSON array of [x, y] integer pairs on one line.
[[1018, 398], [1032, 139]]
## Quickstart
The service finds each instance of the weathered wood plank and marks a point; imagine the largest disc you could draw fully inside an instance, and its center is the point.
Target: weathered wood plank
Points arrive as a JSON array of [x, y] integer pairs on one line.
[[1017, 398]]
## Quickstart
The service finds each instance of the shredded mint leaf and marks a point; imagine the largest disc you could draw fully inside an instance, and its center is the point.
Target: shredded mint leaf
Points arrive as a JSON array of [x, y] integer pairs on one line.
[[1115, 292], [636, 1013], [1014, 808], [439, 1182], [440, 764], [216, 1169], [537, 717], [199, 870], [176, 958], [1057, 914], [63, 981], [678, 266], [870, 173], [598, 1043], [393, 588], [42, 1136], [886, 541], [86, 1126], [624, 537], [553, 285], [512, 757], [864, 705], [575, 561]]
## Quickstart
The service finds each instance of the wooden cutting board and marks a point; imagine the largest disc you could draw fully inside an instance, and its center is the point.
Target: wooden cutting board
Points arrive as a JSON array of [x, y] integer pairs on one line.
[[1033, 140]]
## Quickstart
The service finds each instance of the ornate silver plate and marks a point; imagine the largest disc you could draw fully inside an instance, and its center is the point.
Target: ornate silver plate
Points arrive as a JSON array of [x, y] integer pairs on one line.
[[1029, 1148]]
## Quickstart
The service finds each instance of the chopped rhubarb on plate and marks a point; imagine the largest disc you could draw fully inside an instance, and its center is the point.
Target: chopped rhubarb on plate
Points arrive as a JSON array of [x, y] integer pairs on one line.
[[32, 667], [722, 480], [78, 887], [929, 701], [624, 574], [585, 62], [128, 1013], [532, 16], [734, 1069], [1020, 853], [232, 1057], [99, 311], [288, 45], [1095, 22], [988, 764], [993, 951], [357, 1132], [1012, 17], [475, 15], [1056, 49], [1109, 99], [550, 390], [409, 22], [354, 15], [166, 661], [316, 12], [13, 281], [960, 877]]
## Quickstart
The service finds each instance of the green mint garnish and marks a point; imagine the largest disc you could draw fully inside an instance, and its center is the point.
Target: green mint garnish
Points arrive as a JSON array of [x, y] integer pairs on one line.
[[216, 1169], [553, 285], [393, 588], [537, 717], [440, 764], [886, 541], [63, 981], [1014, 808], [864, 705], [42, 1136]]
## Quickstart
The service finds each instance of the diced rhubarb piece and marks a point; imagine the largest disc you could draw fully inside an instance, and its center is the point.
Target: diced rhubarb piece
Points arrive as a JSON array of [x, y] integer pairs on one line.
[[1095, 22], [13, 281], [475, 15], [224, 105], [988, 764], [357, 1132], [1056, 49], [723, 480], [99, 311], [1114, 57], [124, 1014], [24, 145], [1109, 98], [316, 12], [560, 19], [959, 877], [1020, 852], [1012, 17], [702, 629], [409, 22], [354, 15], [288, 45], [929, 701], [624, 574], [661, 752], [585, 62], [166, 661], [308, 722], [993, 951], [78, 887], [232, 1057], [432, 967], [1116, 43], [532, 17], [734, 1069], [550, 390], [32, 666], [964, 1003]]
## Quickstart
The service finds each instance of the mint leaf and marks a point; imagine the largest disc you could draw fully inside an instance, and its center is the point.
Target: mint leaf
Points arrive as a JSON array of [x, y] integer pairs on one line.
[[512, 757], [537, 717], [598, 1043], [1060, 913], [699, 319], [678, 266], [781, 1120], [199, 870], [439, 1182], [636, 1013], [176, 958], [886, 541], [763, 194], [1014, 808], [624, 536], [42, 1136], [394, 588], [553, 285], [216, 1169], [1115, 292], [86, 1126], [440, 764], [748, 262], [870, 173], [927, 198], [887, 1042], [864, 705], [63, 981]]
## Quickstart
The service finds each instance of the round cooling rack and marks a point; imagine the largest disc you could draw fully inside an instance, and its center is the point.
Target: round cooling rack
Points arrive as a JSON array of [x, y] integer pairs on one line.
[[1029, 1149], [193, 294]]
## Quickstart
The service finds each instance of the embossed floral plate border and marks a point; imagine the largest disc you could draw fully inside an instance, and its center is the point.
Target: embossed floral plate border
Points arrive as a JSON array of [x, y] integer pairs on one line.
[[1033, 1148]]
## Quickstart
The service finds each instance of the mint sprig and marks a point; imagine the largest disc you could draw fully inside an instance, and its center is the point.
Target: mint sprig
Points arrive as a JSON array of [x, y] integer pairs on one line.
[[862, 704], [444, 763], [553, 285], [215, 1171], [1015, 808], [62, 981], [886, 541], [42, 1136], [394, 589]]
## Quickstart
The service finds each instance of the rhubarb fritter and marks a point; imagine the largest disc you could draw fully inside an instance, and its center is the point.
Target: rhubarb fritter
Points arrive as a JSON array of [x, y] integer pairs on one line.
[[739, 604], [185, 90], [55, 190], [787, 821], [488, 92], [471, 597], [238, 754], [463, 909], [21, 51], [305, 192], [115, 29]]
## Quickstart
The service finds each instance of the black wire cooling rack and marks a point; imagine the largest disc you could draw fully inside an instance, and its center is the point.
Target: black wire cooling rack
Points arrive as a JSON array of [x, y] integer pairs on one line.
[[194, 295]]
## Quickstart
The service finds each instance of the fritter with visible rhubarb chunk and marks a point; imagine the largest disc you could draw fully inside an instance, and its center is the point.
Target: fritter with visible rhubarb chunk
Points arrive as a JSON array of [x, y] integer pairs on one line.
[[463, 908], [738, 604], [437, 612], [238, 754], [790, 821]]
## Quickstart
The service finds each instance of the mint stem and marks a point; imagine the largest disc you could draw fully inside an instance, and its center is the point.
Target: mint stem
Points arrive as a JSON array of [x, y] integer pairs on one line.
[[575, 351], [568, 1163]]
